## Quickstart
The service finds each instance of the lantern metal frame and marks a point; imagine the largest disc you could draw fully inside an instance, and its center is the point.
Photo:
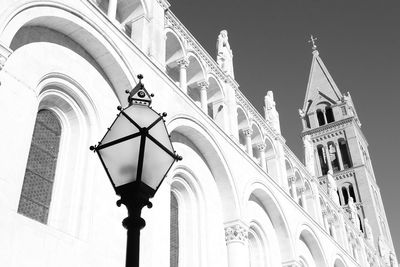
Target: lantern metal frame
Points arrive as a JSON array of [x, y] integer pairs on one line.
[[135, 195]]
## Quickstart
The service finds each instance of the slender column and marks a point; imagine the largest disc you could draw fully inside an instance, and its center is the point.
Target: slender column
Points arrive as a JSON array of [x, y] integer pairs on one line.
[[325, 219], [112, 9], [183, 64], [326, 121], [261, 149], [339, 155], [302, 191], [293, 187], [203, 95], [328, 158], [236, 238], [247, 133], [318, 162]]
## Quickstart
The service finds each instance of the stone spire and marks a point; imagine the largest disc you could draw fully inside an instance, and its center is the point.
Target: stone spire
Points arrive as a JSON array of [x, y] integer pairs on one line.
[[224, 54]]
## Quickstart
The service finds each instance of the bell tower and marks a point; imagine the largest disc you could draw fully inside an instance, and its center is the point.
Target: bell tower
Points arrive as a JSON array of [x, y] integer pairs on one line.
[[336, 146]]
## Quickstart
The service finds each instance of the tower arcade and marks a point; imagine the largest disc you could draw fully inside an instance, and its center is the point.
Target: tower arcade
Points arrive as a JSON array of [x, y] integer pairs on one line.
[[335, 147]]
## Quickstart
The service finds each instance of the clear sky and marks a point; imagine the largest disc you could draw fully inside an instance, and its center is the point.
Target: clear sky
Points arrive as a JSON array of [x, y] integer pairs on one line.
[[359, 42]]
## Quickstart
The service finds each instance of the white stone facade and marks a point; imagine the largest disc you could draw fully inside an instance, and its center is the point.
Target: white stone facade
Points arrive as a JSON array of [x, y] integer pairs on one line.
[[244, 198]]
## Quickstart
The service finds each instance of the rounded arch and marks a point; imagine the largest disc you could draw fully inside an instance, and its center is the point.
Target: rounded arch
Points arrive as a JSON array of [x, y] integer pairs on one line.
[[256, 139], [259, 193], [77, 27], [174, 51], [213, 157], [339, 261], [215, 97], [243, 124], [309, 238], [195, 70]]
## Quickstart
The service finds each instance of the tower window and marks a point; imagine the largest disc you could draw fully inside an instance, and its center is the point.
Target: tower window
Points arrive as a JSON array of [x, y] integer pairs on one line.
[[345, 195], [321, 117], [351, 193], [322, 160], [329, 115], [40, 170], [344, 150]]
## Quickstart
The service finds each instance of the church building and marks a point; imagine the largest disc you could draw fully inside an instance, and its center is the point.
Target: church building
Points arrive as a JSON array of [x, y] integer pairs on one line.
[[239, 198]]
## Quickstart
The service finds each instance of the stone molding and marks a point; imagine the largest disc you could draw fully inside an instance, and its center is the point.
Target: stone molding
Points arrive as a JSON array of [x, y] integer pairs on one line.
[[164, 4], [5, 52], [328, 128], [247, 131], [236, 233], [203, 84]]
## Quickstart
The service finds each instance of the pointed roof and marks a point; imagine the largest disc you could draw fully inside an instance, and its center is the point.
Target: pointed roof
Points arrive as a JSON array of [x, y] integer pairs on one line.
[[321, 86]]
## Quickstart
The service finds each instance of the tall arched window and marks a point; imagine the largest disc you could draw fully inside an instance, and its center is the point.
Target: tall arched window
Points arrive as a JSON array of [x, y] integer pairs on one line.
[[329, 115], [174, 233], [351, 193], [321, 118], [40, 170], [344, 150], [345, 195]]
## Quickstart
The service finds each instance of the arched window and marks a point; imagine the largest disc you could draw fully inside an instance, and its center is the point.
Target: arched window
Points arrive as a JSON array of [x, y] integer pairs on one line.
[[360, 221], [340, 199], [351, 193], [320, 116], [174, 233], [345, 195], [344, 150], [40, 170], [333, 156], [322, 160], [329, 115]]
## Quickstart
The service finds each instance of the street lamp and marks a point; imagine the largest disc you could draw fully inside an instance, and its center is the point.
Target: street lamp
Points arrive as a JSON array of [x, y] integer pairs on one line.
[[136, 153]]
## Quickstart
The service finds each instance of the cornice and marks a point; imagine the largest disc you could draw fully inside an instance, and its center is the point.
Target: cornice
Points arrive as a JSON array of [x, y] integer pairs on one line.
[[328, 128]]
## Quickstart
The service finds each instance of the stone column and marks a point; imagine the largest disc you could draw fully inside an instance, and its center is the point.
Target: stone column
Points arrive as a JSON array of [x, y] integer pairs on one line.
[[247, 133], [339, 155], [292, 187], [261, 148], [328, 158], [112, 9], [236, 238], [318, 162], [302, 191], [326, 121], [325, 219], [203, 95], [183, 64]]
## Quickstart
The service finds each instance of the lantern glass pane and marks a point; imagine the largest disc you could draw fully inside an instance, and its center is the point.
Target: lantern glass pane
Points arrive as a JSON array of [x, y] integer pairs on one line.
[[120, 128], [121, 161], [160, 133], [142, 115], [156, 163]]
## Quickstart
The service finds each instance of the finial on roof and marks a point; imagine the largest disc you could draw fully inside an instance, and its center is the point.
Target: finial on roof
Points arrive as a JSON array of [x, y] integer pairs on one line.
[[312, 40]]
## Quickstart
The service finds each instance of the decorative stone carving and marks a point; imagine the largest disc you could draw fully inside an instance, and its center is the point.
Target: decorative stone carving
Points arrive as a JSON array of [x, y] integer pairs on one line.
[[332, 187], [203, 84], [236, 233], [368, 232], [183, 63], [271, 114], [247, 131], [224, 53], [261, 147]]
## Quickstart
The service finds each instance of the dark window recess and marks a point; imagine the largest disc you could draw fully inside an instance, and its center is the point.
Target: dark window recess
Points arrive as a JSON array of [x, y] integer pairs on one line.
[[320, 116], [329, 115], [174, 233], [344, 150], [40, 169]]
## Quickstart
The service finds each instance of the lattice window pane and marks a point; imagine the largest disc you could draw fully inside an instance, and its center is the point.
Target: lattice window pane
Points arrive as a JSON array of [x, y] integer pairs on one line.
[[40, 170]]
